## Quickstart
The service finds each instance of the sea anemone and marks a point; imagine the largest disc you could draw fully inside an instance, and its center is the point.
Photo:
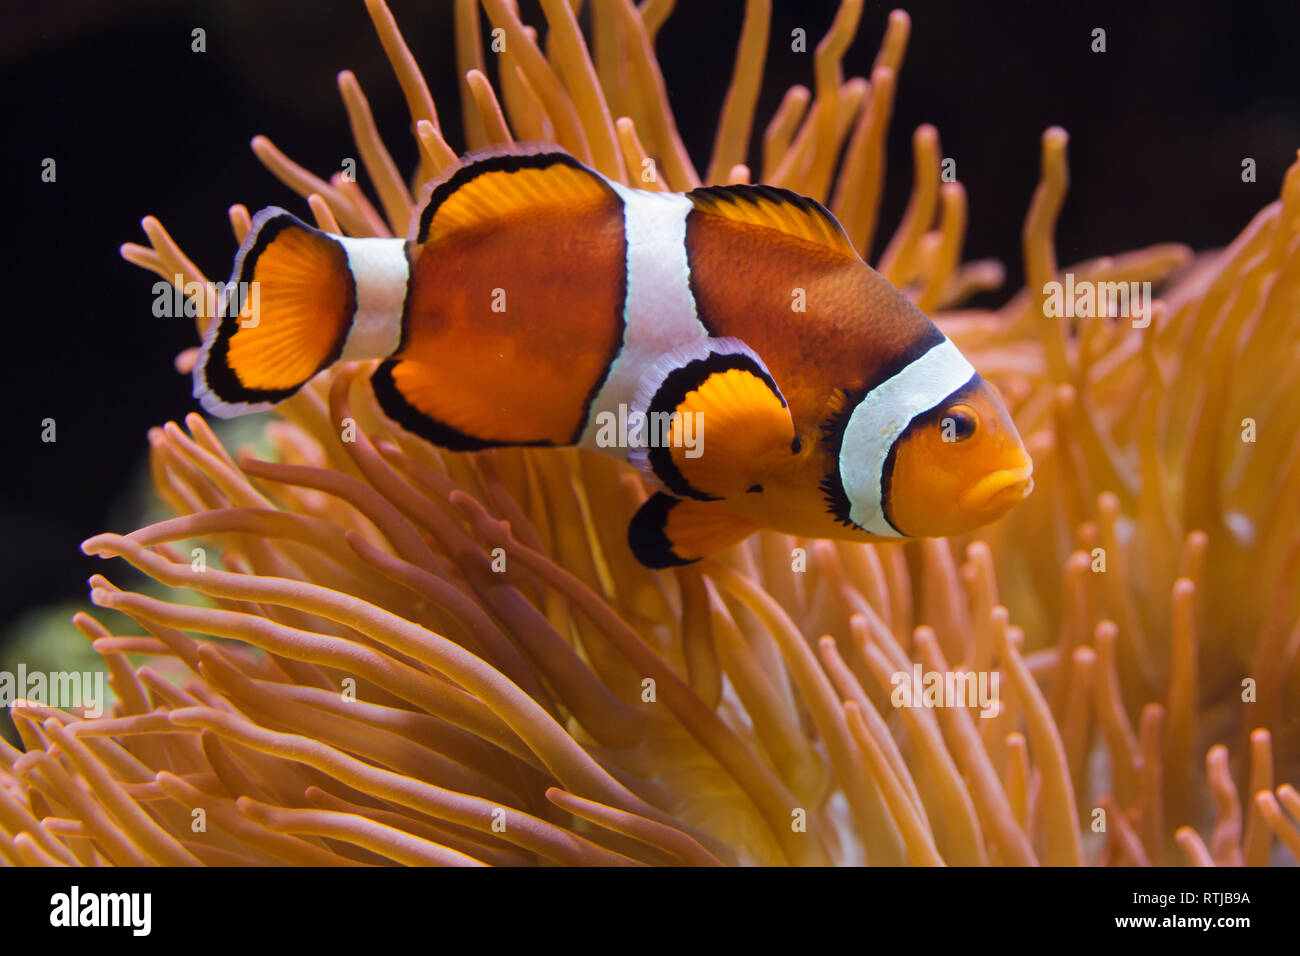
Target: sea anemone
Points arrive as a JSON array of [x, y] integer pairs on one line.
[[401, 655]]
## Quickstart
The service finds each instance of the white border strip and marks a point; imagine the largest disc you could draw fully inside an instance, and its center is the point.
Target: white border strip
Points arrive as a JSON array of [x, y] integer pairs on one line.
[[882, 416], [659, 309], [380, 271]]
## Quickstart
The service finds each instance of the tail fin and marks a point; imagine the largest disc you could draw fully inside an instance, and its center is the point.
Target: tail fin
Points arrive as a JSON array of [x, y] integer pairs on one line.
[[289, 308]]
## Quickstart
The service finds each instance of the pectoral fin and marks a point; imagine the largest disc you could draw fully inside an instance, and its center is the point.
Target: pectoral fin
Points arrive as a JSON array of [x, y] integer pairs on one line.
[[714, 421], [667, 531]]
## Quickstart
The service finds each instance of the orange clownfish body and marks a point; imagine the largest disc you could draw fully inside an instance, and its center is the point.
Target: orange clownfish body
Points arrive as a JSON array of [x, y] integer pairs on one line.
[[729, 342]]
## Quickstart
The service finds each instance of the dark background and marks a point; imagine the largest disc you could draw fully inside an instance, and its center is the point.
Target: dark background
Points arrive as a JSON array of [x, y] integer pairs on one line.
[[139, 124]]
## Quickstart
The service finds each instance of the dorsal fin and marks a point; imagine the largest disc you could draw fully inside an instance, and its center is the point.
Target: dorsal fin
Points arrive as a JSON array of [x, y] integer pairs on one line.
[[503, 181], [775, 208]]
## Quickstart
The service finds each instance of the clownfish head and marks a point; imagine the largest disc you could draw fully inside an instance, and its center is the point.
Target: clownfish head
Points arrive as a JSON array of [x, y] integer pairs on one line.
[[959, 466], [931, 452]]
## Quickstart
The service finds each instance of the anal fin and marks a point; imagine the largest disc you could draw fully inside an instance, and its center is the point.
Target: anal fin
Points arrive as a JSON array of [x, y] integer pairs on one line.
[[667, 532]]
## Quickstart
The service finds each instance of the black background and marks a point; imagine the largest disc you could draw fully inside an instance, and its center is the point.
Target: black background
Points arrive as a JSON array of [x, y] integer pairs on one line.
[[139, 124], [934, 910]]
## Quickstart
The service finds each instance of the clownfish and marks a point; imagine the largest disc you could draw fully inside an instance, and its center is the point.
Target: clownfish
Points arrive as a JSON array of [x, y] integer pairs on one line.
[[729, 342]]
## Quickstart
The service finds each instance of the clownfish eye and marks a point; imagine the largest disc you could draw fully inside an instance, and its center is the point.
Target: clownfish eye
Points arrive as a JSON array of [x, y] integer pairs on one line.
[[959, 423]]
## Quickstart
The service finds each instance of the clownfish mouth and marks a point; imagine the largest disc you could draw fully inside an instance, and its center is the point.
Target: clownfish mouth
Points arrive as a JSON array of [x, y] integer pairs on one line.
[[998, 491]]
